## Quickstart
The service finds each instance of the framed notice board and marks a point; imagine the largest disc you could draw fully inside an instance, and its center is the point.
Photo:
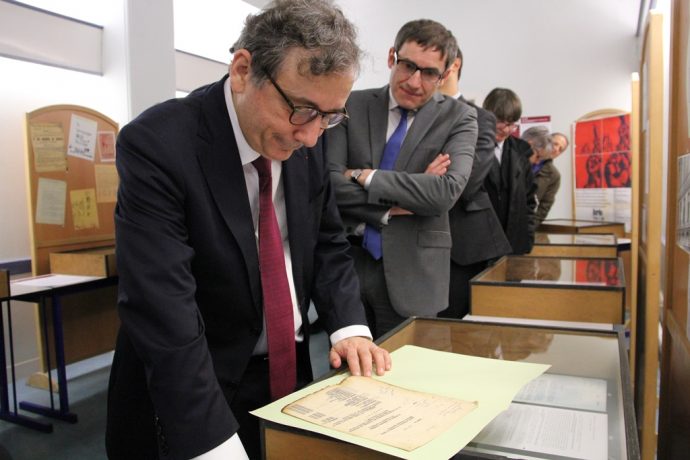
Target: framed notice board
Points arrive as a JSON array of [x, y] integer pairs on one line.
[[72, 180], [674, 409], [72, 184], [650, 217]]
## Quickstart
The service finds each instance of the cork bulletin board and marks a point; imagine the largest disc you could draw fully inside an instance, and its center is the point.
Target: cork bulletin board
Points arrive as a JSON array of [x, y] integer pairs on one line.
[[72, 180]]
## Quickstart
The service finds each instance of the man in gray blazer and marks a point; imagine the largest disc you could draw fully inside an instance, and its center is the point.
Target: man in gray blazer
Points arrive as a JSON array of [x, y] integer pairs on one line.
[[476, 232], [395, 208]]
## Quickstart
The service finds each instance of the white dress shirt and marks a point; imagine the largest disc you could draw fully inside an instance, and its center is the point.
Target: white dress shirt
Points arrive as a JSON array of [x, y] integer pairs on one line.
[[498, 151]]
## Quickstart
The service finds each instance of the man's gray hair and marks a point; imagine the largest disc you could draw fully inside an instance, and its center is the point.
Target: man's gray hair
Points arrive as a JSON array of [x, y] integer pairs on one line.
[[539, 138], [318, 27]]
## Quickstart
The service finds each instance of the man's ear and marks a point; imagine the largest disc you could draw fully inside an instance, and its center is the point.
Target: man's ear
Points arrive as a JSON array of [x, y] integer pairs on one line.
[[456, 65], [240, 70], [391, 57]]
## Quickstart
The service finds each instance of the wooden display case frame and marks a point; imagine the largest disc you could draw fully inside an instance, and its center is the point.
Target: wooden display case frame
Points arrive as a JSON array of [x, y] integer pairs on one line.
[[518, 343], [492, 294]]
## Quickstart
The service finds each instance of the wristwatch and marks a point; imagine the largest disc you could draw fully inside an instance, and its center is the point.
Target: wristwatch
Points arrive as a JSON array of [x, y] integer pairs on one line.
[[355, 175]]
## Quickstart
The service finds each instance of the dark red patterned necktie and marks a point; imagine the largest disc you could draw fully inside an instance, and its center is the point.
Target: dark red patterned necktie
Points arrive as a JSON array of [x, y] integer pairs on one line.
[[280, 327]]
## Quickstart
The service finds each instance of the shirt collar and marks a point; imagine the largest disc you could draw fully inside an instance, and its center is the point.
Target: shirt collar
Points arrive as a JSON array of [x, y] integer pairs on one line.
[[393, 104], [247, 154]]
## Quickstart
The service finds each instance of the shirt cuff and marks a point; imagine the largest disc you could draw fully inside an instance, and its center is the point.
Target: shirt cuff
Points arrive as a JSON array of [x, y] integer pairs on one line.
[[232, 448], [386, 217], [367, 181], [350, 331]]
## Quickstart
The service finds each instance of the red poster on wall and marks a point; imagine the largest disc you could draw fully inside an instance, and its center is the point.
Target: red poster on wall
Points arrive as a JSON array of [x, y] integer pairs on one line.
[[601, 165]]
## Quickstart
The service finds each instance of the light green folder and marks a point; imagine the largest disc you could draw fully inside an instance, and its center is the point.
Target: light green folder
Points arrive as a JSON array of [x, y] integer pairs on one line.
[[491, 382]]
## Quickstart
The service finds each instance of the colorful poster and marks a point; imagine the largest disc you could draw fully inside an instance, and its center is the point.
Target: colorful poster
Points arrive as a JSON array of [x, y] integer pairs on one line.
[[106, 145], [602, 170], [603, 272]]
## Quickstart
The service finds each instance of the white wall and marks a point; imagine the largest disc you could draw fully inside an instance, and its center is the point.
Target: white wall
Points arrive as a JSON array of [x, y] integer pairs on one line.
[[564, 58]]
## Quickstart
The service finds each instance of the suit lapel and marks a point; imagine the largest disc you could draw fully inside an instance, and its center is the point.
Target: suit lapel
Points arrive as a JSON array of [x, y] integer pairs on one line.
[[378, 124], [423, 121], [295, 183], [220, 161]]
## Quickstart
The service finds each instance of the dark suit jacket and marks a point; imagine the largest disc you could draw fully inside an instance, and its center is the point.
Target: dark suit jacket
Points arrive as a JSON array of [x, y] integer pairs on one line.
[[476, 231], [512, 191], [548, 181], [190, 289], [416, 248]]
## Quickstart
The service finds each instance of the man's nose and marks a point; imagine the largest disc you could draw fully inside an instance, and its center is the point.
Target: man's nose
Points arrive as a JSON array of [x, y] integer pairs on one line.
[[415, 79], [309, 133]]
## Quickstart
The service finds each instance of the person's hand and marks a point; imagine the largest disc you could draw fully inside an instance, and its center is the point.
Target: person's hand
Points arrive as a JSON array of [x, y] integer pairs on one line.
[[397, 211], [360, 353], [439, 166]]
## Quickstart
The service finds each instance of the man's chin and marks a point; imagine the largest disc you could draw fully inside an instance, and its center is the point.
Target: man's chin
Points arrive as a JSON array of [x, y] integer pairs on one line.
[[282, 154]]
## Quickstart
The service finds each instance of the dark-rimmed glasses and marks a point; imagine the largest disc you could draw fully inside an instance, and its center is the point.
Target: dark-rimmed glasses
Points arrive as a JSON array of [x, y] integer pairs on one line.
[[408, 68], [510, 126], [303, 114]]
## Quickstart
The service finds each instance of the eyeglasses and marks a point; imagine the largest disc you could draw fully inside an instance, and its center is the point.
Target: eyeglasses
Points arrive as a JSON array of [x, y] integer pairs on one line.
[[303, 114], [408, 68], [503, 125]]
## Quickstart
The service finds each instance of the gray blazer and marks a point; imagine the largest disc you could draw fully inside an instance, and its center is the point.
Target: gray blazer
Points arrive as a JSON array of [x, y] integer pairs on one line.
[[416, 248]]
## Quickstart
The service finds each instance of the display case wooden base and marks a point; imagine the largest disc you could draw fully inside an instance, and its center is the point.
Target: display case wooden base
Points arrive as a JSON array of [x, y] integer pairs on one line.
[[587, 355], [559, 289]]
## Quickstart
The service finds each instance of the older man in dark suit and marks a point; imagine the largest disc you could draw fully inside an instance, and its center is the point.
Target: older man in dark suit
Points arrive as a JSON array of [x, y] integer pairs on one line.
[[226, 228], [399, 164], [476, 231]]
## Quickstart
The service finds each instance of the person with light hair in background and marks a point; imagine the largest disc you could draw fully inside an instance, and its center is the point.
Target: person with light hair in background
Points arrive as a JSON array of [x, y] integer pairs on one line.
[[546, 176]]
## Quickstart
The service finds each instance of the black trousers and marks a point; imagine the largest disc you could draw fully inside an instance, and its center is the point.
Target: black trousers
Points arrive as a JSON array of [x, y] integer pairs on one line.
[[459, 294], [254, 392], [374, 293], [133, 435]]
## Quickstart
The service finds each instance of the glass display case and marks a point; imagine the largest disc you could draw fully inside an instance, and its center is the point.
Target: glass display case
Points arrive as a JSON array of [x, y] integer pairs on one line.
[[551, 288], [586, 388], [581, 226], [575, 245]]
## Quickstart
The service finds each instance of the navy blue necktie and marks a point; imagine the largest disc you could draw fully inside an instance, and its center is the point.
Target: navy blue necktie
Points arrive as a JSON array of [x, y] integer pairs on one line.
[[372, 236]]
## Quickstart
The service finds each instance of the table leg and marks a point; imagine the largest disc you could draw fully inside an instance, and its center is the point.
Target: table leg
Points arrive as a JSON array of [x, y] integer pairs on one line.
[[63, 413], [7, 413]]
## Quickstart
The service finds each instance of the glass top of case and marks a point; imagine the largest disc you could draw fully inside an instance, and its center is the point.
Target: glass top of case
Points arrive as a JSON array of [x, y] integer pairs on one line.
[[554, 270], [583, 385], [575, 239], [578, 223]]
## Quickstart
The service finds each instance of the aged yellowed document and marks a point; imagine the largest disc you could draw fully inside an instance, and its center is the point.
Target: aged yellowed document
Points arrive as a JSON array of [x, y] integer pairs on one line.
[[381, 412]]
